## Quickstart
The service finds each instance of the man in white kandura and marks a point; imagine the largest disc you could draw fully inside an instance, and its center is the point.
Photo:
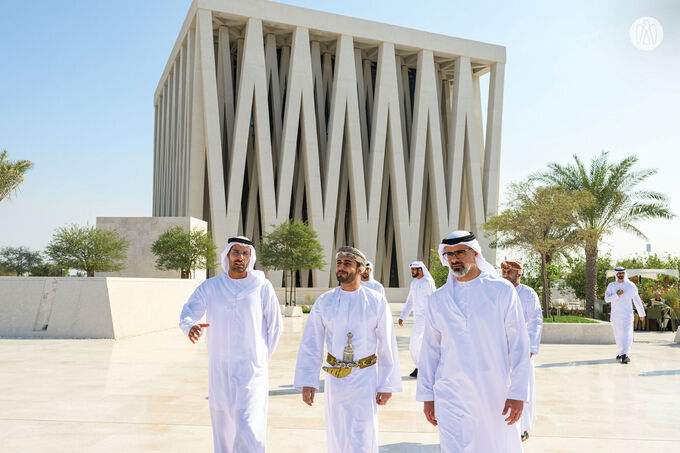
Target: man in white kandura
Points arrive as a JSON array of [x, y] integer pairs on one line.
[[533, 316], [362, 364], [622, 294], [369, 281], [244, 320], [422, 286], [473, 371]]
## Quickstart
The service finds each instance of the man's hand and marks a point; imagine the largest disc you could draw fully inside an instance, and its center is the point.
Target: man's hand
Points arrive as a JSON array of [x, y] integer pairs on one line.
[[515, 407], [196, 331], [401, 322], [308, 395], [382, 398], [428, 408], [531, 354], [619, 292], [642, 318]]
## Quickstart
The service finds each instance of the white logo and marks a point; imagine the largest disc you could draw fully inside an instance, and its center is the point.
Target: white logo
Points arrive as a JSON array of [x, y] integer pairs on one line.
[[646, 33]]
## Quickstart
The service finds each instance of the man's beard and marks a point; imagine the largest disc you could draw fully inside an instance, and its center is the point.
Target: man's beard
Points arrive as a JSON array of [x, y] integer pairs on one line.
[[460, 272], [348, 277], [238, 268]]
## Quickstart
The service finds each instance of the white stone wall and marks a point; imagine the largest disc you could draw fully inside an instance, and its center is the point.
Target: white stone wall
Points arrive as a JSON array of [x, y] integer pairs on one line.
[[78, 307], [142, 232], [371, 133]]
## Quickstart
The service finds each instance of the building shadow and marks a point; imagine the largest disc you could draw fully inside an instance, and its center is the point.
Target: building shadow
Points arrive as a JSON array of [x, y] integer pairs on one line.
[[284, 390], [409, 447], [403, 343], [660, 373], [578, 363]]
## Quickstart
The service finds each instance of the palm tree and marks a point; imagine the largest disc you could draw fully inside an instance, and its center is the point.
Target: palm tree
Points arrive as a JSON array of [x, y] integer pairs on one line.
[[11, 174], [618, 204]]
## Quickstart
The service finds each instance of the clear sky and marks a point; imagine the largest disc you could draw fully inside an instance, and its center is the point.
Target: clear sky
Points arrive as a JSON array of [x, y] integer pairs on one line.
[[77, 82]]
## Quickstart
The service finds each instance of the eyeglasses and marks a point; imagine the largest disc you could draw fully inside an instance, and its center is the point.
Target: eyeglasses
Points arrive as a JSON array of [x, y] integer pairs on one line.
[[458, 253]]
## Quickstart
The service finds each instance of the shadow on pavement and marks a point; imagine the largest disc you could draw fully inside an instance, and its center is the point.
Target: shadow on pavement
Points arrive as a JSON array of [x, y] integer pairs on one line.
[[290, 390], [611, 361], [407, 447], [660, 373]]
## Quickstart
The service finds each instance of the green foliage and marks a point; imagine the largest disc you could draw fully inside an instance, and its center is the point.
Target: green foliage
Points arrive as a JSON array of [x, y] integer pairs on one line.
[[569, 319], [47, 269], [531, 272], [290, 247], [619, 204], [540, 221], [11, 174], [575, 276], [88, 249], [19, 260], [438, 271], [184, 251]]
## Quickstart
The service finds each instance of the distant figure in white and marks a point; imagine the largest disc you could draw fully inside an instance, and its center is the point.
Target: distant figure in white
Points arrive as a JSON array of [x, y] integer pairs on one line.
[[369, 281], [422, 286], [533, 316], [622, 293], [473, 372], [362, 363], [244, 320]]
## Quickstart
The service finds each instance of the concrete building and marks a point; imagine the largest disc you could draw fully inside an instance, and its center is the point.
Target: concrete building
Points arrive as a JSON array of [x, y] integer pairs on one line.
[[371, 133]]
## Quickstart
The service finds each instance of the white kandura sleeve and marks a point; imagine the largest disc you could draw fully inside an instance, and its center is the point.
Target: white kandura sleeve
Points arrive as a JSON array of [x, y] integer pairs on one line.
[[271, 310], [518, 347], [310, 353], [408, 306], [389, 377], [610, 295], [534, 323], [430, 355], [193, 310]]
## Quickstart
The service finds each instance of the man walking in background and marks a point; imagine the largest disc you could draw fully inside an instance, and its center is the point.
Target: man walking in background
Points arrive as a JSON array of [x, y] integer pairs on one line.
[[533, 316], [422, 286]]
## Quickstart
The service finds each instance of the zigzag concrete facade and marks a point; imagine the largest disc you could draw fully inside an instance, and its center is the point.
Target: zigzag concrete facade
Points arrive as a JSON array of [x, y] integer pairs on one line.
[[371, 133]]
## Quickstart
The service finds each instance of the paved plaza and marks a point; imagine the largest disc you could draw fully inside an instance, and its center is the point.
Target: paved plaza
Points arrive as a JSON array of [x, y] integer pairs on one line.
[[149, 394]]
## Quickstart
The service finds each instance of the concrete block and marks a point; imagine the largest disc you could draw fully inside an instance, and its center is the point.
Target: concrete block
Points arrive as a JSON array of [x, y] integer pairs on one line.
[[142, 232], [96, 307], [292, 311], [573, 333]]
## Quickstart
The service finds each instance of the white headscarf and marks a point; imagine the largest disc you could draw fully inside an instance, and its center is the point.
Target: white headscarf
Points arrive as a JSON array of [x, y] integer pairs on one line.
[[369, 265], [625, 274], [465, 238], [426, 273], [240, 240]]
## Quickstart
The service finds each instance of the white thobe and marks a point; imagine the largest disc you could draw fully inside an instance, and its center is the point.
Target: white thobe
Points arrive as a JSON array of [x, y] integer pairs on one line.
[[375, 285], [622, 312], [418, 293], [475, 355], [533, 316], [245, 326], [350, 408]]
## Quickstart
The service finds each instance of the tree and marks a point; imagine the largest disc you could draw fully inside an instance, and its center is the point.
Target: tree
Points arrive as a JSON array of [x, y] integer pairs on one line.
[[291, 247], [575, 276], [618, 204], [11, 174], [47, 269], [184, 251], [539, 220], [88, 249], [19, 259], [438, 271]]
